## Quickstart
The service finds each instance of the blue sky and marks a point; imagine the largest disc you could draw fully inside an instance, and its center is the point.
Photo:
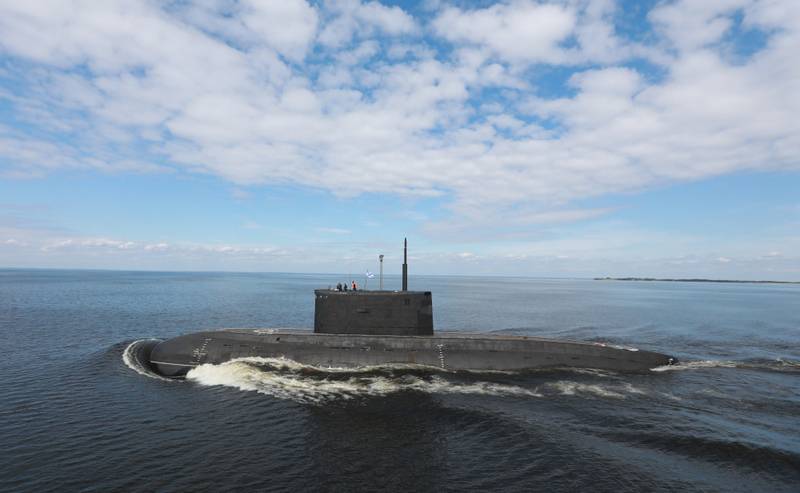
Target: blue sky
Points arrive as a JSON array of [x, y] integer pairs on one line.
[[571, 138]]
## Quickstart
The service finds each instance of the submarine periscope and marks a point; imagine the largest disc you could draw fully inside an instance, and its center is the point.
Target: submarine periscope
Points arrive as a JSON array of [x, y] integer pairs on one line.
[[380, 327]]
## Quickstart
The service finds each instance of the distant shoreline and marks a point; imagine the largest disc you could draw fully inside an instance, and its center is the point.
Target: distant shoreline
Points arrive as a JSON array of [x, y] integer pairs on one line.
[[691, 280]]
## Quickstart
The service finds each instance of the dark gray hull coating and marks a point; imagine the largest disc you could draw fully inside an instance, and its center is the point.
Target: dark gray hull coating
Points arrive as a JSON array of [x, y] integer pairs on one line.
[[448, 351]]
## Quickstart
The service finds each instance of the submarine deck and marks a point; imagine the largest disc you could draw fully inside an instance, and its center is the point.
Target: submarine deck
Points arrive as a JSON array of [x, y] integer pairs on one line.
[[438, 335], [445, 350]]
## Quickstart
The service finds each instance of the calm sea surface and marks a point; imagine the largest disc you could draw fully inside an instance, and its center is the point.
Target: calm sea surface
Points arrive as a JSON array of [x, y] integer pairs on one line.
[[77, 415]]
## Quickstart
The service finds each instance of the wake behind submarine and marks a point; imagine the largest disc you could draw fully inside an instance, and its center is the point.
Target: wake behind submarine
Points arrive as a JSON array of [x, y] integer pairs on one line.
[[366, 328]]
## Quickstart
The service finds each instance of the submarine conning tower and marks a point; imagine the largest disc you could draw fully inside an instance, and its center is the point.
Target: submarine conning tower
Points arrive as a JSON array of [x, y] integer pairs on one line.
[[399, 313]]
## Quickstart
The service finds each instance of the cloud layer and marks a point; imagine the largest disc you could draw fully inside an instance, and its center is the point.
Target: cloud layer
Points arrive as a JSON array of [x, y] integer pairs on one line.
[[514, 110], [353, 97]]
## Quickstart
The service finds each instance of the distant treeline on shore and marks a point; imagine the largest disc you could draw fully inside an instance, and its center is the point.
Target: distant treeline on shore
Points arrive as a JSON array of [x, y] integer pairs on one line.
[[690, 280]]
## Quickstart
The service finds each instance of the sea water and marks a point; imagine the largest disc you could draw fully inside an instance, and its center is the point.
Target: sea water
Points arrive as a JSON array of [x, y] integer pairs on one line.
[[77, 412]]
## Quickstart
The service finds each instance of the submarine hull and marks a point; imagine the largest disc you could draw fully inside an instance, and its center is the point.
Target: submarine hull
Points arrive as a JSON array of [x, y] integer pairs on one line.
[[447, 351]]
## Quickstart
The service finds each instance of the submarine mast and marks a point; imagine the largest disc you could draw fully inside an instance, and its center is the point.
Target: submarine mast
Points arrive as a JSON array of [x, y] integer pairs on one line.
[[380, 258], [405, 264]]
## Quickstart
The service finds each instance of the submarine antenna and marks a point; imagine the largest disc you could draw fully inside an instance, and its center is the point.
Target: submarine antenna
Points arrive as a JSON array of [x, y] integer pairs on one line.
[[405, 264]]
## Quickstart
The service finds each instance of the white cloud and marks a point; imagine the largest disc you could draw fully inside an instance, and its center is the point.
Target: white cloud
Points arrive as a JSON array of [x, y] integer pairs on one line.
[[156, 247], [334, 231], [108, 243], [288, 26], [349, 17], [692, 25], [522, 30], [120, 86], [392, 20], [595, 251], [492, 225]]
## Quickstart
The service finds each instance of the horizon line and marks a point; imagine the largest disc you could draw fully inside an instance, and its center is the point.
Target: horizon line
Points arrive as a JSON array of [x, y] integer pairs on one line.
[[578, 278]]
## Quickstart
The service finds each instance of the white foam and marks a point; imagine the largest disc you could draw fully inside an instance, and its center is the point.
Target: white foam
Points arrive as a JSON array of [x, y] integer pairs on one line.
[[285, 379], [292, 365], [129, 358], [696, 365], [592, 371], [264, 331], [630, 389], [788, 363], [618, 390], [616, 346], [572, 388]]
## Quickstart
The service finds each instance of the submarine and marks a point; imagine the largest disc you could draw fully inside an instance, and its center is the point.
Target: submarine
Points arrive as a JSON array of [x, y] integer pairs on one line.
[[376, 327]]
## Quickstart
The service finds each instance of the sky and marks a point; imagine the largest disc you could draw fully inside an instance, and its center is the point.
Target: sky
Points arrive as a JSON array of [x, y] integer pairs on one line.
[[573, 138]]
